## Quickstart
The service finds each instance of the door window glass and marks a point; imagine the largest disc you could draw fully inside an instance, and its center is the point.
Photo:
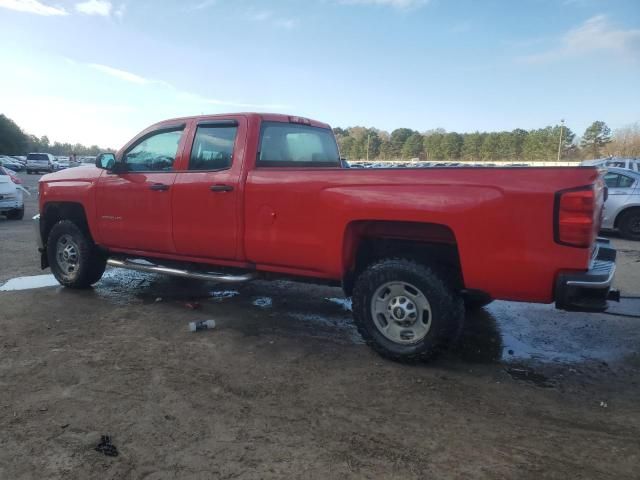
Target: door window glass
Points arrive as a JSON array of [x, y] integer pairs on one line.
[[155, 153], [213, 147]]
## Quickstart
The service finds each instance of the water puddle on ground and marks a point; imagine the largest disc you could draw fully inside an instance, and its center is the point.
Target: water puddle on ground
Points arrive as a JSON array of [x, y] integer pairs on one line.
[[27, 283]]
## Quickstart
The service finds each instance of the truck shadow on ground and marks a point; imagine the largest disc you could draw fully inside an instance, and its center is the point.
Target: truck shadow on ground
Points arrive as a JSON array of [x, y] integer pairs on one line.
[[503, 332]]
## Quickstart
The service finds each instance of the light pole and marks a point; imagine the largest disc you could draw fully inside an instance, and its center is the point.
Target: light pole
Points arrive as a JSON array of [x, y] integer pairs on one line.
[[368, 138], [560, 142]]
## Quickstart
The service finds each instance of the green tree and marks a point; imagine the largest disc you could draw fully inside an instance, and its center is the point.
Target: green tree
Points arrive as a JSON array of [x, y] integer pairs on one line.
[[412, 147], [12, 140], [398, 137], [433, 146], [452, 145], [471, 144], [595, 137]]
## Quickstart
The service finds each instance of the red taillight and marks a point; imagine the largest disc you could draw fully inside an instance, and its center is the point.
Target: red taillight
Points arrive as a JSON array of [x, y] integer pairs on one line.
[[578, 215], [15, 180]]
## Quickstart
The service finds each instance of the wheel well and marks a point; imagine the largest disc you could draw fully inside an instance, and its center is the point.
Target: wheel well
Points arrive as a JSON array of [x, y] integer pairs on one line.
[[616, 223], [428, 243], [56, 211]]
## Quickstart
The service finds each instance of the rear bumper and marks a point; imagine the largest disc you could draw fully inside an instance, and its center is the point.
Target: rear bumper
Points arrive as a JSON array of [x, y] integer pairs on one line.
[[588, 291]]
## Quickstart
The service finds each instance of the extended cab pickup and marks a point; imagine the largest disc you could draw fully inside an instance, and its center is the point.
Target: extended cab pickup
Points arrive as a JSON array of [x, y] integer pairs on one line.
[[234, 197]]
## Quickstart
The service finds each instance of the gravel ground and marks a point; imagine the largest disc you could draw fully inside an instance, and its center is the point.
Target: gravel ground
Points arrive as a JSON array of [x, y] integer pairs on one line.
[[284, 388]]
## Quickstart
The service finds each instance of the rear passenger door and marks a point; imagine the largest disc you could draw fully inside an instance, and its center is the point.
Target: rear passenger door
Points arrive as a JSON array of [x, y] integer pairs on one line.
[[619, 188], [207, 191]]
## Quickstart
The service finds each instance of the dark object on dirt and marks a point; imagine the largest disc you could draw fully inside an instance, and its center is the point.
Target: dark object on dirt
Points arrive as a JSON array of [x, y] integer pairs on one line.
[[530, 376], [105, 446]]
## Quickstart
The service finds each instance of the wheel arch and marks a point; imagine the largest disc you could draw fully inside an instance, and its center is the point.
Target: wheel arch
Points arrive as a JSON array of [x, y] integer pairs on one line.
[[623, 212], [366, 241], [53, 212]]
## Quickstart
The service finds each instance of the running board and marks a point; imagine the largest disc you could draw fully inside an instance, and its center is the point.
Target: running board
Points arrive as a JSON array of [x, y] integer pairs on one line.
[[149, 267]]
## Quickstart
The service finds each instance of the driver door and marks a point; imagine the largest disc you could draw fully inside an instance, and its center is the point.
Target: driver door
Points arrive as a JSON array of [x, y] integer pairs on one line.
[[134, 207]]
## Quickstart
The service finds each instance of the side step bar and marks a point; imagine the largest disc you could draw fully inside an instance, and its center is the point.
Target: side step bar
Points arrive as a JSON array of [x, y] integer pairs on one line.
[[149, 267]]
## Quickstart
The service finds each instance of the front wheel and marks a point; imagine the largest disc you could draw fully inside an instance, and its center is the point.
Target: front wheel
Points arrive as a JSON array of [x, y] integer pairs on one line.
[[74, 259], [630, 224], [406, 311]]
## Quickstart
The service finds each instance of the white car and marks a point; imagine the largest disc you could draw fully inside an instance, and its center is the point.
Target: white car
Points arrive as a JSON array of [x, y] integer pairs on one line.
[[11, 200], [628, 163]]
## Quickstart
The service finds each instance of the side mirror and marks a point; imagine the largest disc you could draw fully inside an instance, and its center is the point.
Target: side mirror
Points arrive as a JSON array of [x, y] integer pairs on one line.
[[106, 161]]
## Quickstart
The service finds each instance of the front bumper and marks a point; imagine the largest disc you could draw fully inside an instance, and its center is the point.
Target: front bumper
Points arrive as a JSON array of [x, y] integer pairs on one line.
[[588, 291]]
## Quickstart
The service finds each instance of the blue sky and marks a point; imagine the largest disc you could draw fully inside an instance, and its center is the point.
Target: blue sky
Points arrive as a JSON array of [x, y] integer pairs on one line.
[[99, 71]]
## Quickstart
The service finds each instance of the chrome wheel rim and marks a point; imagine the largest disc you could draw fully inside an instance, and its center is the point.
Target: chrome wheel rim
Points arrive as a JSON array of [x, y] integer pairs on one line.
[[401, 312], [67, 255]]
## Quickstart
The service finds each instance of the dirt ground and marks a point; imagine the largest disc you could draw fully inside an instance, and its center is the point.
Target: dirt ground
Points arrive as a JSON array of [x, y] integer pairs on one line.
[[284, 388]]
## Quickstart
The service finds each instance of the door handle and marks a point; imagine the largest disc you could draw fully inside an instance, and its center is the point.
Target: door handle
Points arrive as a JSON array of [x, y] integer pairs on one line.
[[159, 186], [221, 188]]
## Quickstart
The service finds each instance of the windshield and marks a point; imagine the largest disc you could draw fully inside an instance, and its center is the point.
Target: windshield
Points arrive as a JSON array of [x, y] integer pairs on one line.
[[38, 156]]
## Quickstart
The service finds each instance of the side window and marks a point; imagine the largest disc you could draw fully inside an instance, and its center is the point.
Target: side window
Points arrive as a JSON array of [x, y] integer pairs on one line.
[[611, 179], [213, 147], [616, 180], [625, 182], [293, 145], [155, 153]]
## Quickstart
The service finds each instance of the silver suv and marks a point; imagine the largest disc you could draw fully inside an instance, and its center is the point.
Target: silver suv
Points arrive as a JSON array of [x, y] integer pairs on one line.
[[622, 208], [40, 162]]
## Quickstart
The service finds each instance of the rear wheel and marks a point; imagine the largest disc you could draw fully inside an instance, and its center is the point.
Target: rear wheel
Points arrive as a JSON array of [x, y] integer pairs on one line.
[[74, 259], [406, 311], [17, 214], [629, 224]]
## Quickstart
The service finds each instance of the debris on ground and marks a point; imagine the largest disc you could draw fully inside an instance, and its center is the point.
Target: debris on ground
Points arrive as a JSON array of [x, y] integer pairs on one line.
[[530, 376], [222, 294], [105, 446], [604, 404], [202, 325], [263, 302], [192, 305], [158, 299]]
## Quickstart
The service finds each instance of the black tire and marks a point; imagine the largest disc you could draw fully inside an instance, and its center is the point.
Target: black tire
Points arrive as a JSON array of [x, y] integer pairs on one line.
[[629, 224], [472, 304], [447, 309], [17, 214], [89, 261]]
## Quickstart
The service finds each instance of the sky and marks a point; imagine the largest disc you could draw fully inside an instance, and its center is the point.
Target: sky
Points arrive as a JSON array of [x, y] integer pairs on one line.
[[98, 71]]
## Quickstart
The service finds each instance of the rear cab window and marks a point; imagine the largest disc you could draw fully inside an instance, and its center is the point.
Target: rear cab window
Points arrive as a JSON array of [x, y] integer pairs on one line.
[[297, 146]]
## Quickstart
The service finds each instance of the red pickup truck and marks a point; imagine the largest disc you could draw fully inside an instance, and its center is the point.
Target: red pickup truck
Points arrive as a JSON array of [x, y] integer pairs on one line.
[[234, 197]]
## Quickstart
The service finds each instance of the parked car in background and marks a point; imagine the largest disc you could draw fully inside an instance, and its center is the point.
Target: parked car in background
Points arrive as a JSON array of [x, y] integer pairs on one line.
[[622, 207], [11, 163], [11, 199], [14, 177], [40, 162], [62, 163], [628, 163]]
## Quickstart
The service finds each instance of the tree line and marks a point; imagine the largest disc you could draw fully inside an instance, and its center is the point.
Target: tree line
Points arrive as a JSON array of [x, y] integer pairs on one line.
[[13, 141], [359, 143]]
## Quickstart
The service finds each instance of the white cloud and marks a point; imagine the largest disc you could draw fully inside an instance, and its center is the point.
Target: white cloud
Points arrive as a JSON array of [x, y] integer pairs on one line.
[[401, 4], [230, 103], [596, 35], [269, 17], [139, 80], [202, 5], [95, 7], [120, 11], [33, 6], [121, 74]]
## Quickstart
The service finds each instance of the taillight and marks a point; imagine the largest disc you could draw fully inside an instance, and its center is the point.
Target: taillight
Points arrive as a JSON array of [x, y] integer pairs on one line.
[[578, 215], [15, 180]]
